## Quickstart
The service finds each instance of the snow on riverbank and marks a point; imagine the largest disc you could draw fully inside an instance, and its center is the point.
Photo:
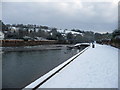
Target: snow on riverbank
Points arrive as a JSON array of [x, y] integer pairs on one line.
[[95, 68]]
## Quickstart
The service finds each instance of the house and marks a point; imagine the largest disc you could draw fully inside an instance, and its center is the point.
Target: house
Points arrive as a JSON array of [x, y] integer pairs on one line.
[[1, 35]]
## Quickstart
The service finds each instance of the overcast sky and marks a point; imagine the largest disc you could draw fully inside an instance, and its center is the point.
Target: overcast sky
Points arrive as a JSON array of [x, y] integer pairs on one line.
[[95, 16]]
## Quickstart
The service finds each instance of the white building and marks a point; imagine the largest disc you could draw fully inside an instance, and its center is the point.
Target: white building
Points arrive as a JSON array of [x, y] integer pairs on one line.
[[1, 35]]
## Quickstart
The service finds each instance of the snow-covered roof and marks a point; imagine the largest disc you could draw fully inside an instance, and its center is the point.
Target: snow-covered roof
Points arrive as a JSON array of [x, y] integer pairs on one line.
[[47, 30], [13, 27], [73, 32], [68, 31], [1, 35], [60, 30]]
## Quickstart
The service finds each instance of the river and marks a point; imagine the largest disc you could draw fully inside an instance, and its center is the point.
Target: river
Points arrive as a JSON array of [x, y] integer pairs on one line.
[[21, 68]]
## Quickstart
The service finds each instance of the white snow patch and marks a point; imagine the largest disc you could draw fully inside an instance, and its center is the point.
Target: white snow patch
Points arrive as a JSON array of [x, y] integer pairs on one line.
[[95, 68], [73, 32], [35, 83]]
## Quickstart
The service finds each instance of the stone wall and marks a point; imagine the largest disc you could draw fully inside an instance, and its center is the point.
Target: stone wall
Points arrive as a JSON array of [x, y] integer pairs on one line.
[[15, 43]]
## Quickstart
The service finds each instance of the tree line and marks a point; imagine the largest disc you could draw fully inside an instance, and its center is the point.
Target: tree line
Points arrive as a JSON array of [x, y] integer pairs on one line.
[[53, 34]]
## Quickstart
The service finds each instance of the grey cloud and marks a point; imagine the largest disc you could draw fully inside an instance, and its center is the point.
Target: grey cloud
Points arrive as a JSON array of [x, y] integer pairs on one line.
[[96, 16]]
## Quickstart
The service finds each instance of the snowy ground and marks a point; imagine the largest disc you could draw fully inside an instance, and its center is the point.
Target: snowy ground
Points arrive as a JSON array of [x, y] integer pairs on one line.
[[95, 68]]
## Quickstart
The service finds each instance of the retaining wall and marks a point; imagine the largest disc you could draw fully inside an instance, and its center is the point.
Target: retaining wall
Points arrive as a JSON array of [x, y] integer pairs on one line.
[[14, 43]]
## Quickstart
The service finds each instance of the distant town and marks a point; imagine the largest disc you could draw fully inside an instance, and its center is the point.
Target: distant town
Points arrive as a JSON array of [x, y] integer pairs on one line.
[[32, 32]]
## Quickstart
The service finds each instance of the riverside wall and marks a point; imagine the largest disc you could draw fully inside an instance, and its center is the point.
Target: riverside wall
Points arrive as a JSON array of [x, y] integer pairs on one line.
[[16, 43]]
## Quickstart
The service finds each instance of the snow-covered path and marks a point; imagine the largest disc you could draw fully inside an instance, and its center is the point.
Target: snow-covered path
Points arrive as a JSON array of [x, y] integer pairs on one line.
[[95, 68]]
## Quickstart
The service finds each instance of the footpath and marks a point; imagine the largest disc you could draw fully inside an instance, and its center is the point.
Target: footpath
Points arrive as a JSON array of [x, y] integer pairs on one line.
[[94, 68]]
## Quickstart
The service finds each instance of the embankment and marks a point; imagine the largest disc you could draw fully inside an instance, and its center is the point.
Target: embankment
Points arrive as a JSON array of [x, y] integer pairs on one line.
[[16, 43]]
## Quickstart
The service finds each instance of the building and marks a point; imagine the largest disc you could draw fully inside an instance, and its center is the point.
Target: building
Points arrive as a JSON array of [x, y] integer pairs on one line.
[[1, 35]]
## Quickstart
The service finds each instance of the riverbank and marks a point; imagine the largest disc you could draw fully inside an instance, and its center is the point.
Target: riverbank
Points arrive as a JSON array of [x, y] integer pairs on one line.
[[114, 43], [35, 48], [18, 43]]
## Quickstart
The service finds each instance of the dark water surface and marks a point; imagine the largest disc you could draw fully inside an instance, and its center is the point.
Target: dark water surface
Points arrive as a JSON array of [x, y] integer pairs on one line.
[[21, 68]]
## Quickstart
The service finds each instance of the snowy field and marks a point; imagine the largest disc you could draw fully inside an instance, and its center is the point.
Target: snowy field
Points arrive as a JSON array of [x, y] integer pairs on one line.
[[95, 68]]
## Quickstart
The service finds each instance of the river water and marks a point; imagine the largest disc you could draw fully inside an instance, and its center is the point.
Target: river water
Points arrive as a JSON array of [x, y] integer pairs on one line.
[[21, 68]]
